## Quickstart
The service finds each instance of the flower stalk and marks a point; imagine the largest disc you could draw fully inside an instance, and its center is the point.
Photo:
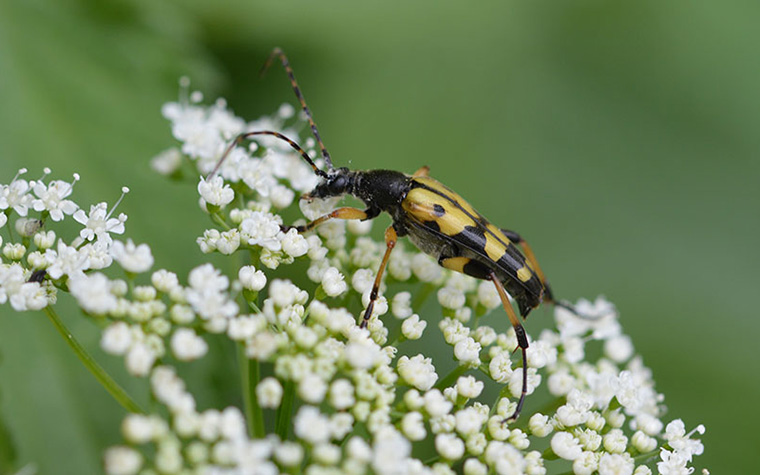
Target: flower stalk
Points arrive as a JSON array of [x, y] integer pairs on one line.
[[105, 380]]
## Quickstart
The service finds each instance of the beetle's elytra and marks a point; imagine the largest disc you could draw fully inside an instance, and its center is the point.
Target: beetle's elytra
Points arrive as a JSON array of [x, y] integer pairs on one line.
[[437, 220]]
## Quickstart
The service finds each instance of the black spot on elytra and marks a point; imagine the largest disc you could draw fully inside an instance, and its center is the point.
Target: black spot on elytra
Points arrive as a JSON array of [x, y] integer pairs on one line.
[[438, 210]]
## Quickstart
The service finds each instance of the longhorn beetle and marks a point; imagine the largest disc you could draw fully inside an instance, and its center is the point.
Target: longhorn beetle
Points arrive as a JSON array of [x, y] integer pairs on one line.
[[437, 220]]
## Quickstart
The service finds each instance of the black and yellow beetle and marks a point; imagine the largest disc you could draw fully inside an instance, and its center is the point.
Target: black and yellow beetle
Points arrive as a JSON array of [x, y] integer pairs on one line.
[[437, 220]]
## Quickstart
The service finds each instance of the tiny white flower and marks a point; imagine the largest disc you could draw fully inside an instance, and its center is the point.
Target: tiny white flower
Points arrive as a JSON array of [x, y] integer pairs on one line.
[[99, 223], [52, 198], [215, 192], [43, 239], [122, 460], [312, 389], [359, 227], [470, 420], [132, 258], [473, 466], [228, 242], [616, 464], [449, 446], [450, 297], [93, 293], [413, 327], [311, 425], [294, 244], [288, 453], [66, 260], [586, 464], [467, 351], [619, 348], [138, 429], [342, 394], [333, 283], [140, 359], [251, 278], [326, 454], [418, 371], [615, 441], [16, 196], [187, 346], [565, 446], [436, 404], [540, 425], [269, 393], [425, 268], [469, 387], [14, 251], [167, 162], [164, 281], [261, 229], [488, 296], [116, 338], [413, 426], [362, 280], [642, 442]]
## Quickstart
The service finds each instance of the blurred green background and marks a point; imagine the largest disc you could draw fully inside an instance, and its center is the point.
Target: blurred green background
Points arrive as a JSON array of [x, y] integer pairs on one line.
[[621, 139]]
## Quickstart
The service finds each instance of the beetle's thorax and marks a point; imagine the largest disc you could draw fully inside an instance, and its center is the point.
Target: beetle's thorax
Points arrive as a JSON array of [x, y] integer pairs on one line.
[[384, 189], [381, 189]]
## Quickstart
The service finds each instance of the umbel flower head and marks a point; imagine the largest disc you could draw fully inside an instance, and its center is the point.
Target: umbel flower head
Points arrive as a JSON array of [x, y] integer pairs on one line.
[[327, 395]]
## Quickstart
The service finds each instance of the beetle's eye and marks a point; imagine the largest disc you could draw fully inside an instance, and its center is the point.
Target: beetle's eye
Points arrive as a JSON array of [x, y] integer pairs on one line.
[[338, 185]]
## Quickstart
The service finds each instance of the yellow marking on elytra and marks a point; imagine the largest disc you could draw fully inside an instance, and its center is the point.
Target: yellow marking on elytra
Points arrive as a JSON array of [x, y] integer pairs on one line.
[[420, 204], [456, 263], [494, 248], [524, 274], [441, 188]]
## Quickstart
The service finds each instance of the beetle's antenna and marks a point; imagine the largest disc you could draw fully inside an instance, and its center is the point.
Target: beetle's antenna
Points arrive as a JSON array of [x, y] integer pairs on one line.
[[571, 308], [277, 52], [239, 139]]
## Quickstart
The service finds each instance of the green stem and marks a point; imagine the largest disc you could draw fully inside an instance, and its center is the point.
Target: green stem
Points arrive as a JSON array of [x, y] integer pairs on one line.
[[89, 362], [422, 295], [449, 379], [250, 376], [218, 219], [285, 412]]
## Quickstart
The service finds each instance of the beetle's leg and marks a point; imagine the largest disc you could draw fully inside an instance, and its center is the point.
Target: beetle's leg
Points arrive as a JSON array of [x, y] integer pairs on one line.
[[475, 269], [390, 242], [522, 341], [423, 171], [340, 213], [278, 53]]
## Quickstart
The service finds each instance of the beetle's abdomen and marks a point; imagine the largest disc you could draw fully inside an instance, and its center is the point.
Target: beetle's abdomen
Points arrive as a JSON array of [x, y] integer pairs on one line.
[[447, 215]]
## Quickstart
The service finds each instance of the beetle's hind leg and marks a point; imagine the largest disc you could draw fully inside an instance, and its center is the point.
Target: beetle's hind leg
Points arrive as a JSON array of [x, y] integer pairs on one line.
[[475, 269]]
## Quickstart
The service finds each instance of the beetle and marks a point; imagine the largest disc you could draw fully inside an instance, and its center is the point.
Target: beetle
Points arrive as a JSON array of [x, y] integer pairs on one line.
[[436, 219]]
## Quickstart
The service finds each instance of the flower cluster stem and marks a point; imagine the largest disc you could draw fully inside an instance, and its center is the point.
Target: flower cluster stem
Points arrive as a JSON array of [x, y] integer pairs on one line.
[[449, 379], [285, 412], [92, 366], [250, 376]]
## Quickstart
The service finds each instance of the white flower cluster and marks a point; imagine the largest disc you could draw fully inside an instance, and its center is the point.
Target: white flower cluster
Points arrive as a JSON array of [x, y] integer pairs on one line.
[[343, 399]]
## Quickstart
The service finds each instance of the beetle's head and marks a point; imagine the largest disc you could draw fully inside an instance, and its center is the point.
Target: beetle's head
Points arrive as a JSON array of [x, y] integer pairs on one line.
[[336, 182]]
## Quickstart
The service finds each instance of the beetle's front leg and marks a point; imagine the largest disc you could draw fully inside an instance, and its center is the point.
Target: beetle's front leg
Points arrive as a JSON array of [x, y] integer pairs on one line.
[[391, 237], [340, 213]]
